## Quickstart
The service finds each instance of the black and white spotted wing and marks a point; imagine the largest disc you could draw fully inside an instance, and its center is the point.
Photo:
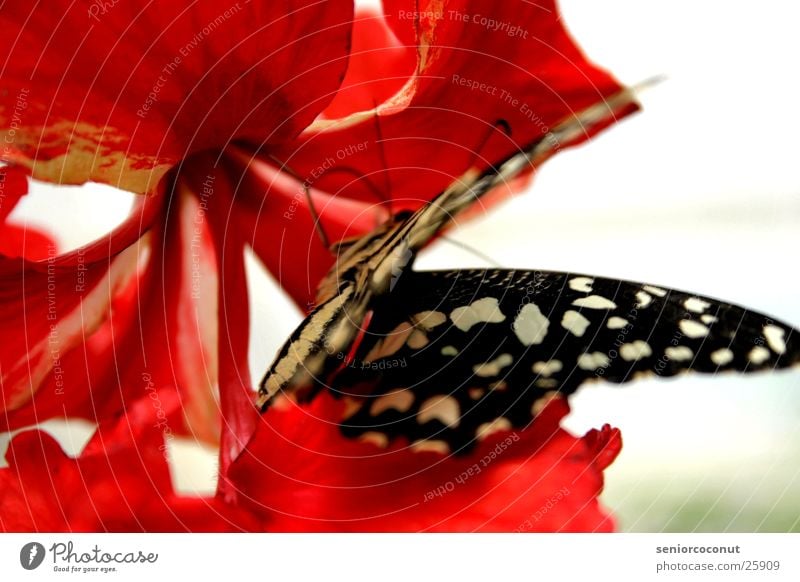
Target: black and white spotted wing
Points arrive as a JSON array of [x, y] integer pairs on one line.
[[451, 355]]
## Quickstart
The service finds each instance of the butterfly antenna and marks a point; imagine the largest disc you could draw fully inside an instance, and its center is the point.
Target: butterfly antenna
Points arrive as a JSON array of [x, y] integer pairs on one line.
[[498, 124], [365, 180], [307, 193], [648, 83], [467, 178], [568, 131], [472, 250]]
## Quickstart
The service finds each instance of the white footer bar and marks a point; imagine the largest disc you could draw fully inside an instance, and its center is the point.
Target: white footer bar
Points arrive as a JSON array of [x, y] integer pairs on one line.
[[390, 557]]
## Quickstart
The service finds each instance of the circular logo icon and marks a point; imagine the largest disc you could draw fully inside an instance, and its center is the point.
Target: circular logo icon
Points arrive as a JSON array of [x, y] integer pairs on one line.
[[31, 555]]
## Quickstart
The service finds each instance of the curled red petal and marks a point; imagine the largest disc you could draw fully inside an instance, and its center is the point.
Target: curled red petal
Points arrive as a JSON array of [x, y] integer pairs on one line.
[[119, 92], [379, 66], [477, 63], [300, 474], [606, 444]]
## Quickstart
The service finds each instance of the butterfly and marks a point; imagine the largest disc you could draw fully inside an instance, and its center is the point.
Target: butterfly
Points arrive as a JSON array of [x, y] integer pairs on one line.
[[446, 358]]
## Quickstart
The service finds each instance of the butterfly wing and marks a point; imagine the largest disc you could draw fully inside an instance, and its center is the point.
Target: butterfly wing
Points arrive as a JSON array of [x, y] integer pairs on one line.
[[451, 355]]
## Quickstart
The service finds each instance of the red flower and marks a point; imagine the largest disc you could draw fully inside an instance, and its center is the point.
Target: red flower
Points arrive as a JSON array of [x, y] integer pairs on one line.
[[299, 474], [120, 482], [189, 105]]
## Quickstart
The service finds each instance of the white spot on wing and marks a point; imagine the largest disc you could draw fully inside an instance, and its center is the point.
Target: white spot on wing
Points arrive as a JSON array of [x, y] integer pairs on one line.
[[427, 320], [594, 302], [427, 446], [653, 290], [722, 356], [449, 351], [635, 351], [376, 438], [483, 310], [593, 361], [758, 355], [616, 322], [693, 329], [696, 305], [417, 340], [679, 353], [582, 284], [775, 338], [442, 408], [708, 319], [400, 400], [530, 326], [489, 428], [547, 368], [494, 367], [575, 323], [643, 299], [546, 383]]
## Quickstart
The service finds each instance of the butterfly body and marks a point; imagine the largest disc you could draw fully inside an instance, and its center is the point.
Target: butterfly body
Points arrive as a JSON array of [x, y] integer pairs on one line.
[[367, 268]]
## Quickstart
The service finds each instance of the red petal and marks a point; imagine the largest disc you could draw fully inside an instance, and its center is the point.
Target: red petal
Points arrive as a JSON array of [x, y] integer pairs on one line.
[[25, 242], [239, 414], [302, 475], [49, 307], [275, 218], [13, 186], [119, 92], [119, 483], [157, 332], [163, 335], [379, 67], [17, 241], [468, 76], [46, 311]]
